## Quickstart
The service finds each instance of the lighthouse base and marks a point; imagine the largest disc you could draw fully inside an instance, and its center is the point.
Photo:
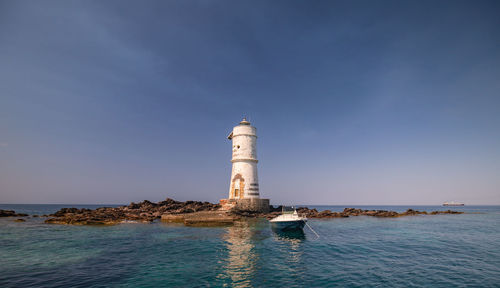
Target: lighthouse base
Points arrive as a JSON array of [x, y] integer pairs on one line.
[[249, 204]]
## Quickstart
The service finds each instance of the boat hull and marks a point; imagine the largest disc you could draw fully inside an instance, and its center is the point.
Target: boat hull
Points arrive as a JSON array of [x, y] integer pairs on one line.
[[288, 225]]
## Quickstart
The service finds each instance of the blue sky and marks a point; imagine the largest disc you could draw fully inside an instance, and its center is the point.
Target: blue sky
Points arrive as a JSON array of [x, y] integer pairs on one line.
[[355, 102]]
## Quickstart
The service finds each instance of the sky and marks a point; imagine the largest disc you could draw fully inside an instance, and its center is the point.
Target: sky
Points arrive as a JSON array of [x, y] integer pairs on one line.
[[355, 102]]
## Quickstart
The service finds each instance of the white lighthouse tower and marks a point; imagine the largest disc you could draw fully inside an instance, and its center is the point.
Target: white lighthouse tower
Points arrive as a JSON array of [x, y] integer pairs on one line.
[[244, 191], [244, 182]]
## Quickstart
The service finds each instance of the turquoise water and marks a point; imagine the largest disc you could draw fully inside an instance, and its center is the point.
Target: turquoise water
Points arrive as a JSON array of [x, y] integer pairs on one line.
[[433, 251]]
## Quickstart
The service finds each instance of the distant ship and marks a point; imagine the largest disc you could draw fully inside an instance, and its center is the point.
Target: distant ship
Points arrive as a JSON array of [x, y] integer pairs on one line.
[[453, 203]]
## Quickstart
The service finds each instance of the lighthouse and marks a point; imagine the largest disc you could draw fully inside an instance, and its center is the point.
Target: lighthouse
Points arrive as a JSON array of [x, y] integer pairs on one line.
[[244, 192], [244, 183]]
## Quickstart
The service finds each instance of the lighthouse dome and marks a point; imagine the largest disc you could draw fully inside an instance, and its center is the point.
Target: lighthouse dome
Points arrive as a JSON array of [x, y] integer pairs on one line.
[[244, 122]]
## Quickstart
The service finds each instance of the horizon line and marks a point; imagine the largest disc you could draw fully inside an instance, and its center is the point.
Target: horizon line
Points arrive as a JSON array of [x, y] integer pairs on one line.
[[342, 204]]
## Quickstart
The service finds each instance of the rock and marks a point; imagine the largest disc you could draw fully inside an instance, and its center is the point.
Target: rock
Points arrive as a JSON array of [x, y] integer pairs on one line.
[[64, 211], [19, 220], [347, 212], [167, 201], [145, 211], [11, 213], [446, 212], [7, 213], [132, 205]]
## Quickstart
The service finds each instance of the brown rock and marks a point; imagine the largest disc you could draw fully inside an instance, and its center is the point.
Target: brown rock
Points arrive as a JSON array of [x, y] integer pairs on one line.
[[145, 211], [313, 213], [11, 213]]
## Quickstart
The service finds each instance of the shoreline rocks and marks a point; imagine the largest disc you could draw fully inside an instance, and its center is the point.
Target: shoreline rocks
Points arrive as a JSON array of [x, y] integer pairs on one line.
[[204, 213], [145, 211], [11, 213], [347, 212], [313, 213]]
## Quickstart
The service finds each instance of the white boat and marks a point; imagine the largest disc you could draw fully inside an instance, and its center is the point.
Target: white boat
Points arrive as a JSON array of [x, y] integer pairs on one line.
[[288, 221], [453, 203]]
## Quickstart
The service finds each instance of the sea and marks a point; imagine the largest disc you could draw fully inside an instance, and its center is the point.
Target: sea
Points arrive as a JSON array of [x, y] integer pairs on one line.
[[415, 251]]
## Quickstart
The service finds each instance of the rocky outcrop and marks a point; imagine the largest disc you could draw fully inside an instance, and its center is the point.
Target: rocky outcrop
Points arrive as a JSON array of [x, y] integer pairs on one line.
[[11, 213], [347, 212], [193, 212], [446, 212], [145, 211]]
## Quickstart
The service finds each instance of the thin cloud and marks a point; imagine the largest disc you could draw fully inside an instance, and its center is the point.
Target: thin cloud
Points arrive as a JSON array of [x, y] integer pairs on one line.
[[4, 144]]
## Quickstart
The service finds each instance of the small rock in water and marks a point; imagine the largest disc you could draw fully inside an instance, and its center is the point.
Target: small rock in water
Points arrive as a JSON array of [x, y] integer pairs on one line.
[[11, 213]]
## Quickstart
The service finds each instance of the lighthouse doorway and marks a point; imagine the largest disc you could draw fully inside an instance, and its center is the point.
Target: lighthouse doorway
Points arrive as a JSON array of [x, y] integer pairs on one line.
[[238, 186]]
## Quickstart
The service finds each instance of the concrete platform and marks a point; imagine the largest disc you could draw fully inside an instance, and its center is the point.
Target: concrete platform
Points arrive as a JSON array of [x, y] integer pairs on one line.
[[203, 218], [247, 204], [172, 218]]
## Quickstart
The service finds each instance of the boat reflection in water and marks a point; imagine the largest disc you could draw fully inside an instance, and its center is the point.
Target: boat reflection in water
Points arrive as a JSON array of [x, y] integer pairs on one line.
[[290, 235], [291, 250]]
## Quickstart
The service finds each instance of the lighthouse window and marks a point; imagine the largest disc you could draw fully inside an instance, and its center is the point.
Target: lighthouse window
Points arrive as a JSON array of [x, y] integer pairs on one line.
[[238, 146]]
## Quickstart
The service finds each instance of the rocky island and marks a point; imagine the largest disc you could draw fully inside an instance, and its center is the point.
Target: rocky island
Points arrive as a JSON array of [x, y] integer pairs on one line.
[[145, 211], [11, 213], [196, 213]]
